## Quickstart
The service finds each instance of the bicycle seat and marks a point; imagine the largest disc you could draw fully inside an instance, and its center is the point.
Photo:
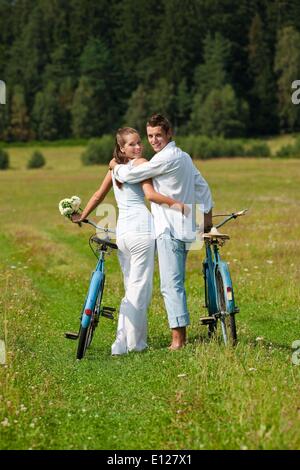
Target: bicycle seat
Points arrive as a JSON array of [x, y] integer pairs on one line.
[[214, 234], [100, 241]]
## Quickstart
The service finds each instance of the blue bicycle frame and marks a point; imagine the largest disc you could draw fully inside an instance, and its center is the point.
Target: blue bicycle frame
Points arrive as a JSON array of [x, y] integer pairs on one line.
[[96, 287], [212, 265]]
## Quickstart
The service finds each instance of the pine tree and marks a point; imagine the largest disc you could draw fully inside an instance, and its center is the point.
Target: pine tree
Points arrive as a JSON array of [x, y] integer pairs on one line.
[[98, 85], [179, 36], [46, 114], [210, 78], [183, 107], [221, 113], [65, 100], [19, 120], [138, 110], [85, 121], [136, 41], [212, 74], [59, 66], [161, 98], [28, 54], [287, 68], [263, 92]]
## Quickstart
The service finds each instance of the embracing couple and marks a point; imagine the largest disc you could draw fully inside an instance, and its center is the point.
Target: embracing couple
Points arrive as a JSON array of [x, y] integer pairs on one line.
[[173, 185]]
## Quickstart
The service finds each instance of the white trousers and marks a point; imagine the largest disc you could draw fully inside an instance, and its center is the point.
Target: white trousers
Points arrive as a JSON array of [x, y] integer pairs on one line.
[[136, 256]]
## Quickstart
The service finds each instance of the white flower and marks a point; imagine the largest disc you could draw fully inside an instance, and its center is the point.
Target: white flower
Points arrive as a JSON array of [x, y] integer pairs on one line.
[[76, 201], [65, 204], [69, 206]]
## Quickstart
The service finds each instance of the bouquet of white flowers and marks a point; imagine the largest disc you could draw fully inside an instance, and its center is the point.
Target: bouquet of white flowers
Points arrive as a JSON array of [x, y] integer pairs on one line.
[[70, 206]]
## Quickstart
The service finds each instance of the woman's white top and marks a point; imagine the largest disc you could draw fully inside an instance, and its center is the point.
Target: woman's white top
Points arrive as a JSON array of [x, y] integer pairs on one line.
[[134, 215], [174, 175]]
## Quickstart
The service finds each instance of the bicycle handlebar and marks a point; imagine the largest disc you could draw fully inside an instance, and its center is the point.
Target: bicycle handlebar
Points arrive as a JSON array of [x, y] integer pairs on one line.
[[234, 215], [243, 212], [104, 229]]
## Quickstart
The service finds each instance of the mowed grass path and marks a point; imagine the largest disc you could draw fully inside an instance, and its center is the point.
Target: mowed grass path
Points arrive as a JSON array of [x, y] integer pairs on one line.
[[203, 397]]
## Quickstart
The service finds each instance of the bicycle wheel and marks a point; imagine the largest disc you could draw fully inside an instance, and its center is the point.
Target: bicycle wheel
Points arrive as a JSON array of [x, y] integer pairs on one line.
[[228, 325], [86, 334], [212, 326], [95, 316]]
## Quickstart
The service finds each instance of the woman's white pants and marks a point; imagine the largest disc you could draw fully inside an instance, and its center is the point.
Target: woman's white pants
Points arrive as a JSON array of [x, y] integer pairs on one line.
[[136, 256]]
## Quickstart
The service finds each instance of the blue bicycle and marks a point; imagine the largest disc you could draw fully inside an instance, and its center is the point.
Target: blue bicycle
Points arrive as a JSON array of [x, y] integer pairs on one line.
[[219, 296], [92, 310]]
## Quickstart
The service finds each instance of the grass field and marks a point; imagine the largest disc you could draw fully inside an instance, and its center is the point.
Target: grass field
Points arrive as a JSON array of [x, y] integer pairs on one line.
[[203, 397]]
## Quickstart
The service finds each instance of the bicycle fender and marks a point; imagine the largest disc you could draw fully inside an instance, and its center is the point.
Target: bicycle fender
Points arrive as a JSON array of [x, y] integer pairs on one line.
[[229, 295], [95, 285]]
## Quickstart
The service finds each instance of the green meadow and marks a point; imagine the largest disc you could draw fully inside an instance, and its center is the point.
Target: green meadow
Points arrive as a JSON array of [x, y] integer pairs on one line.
[[206, 396]]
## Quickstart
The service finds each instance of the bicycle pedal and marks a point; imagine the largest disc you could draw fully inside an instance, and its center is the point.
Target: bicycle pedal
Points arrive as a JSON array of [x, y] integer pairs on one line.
[[71, 335], [236, 310], [107, 314], [207, 320], [109, 309]]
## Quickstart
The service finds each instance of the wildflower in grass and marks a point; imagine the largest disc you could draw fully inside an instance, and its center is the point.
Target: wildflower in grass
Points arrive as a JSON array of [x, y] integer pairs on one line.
[[69, 206], [269, 261], [5, 422], [259, 338]]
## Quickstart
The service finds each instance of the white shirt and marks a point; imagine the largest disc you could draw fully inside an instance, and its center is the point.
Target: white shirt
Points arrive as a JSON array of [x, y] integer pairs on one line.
[[174, 175], [134, 215]]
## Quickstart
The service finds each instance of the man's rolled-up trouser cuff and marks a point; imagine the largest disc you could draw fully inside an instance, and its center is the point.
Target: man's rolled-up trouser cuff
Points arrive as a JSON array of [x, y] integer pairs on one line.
[[179, 321]]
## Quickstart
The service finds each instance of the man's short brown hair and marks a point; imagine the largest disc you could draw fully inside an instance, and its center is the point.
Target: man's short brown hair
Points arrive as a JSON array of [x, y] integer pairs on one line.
[[159, 120]]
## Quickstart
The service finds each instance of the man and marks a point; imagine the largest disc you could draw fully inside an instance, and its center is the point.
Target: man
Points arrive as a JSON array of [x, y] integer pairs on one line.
[[174, 175]]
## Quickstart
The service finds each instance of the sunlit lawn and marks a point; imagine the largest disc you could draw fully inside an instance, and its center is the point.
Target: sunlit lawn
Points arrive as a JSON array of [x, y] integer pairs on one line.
[[203, 397]]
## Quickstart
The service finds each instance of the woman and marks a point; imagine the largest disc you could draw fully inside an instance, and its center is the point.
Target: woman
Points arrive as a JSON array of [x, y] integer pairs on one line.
[[135, 240]]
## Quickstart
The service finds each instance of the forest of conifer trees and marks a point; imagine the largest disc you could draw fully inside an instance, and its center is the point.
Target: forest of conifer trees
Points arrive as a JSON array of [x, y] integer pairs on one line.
[[82, 68]]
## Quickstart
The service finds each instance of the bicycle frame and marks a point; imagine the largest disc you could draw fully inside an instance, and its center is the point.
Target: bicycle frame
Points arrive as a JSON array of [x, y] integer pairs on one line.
[[96, 284], [211, 265]]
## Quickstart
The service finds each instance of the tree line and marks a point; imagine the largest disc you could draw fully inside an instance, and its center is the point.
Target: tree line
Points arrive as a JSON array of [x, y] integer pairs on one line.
[[82, 68]]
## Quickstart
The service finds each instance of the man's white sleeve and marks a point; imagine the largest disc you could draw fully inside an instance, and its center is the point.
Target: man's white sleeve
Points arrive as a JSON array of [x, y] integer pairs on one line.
[[136, 174], [202, 192]]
